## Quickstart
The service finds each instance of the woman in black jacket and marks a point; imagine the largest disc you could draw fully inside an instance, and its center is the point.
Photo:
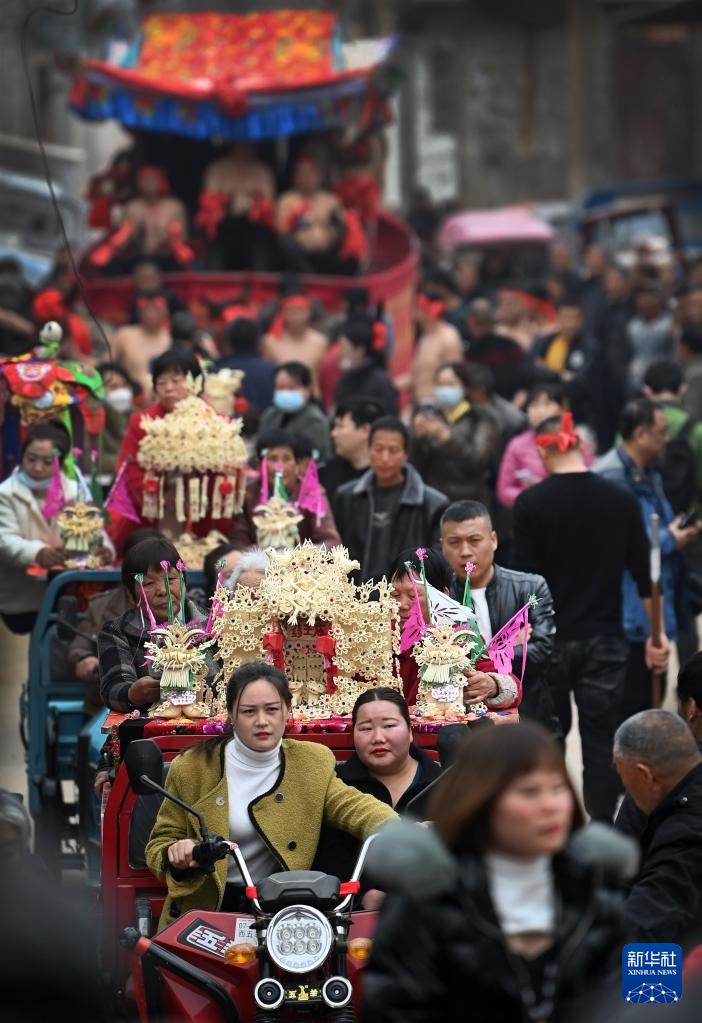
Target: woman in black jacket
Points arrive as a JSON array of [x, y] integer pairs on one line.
[[491, 917], [363, 357], [386, 764]]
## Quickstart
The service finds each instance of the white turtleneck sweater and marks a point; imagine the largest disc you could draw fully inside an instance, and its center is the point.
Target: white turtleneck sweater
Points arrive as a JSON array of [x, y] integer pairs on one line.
[[522, 892], [249, 774]]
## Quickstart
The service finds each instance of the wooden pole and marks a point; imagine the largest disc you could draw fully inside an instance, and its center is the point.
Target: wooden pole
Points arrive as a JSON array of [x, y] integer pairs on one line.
[[656, 605]]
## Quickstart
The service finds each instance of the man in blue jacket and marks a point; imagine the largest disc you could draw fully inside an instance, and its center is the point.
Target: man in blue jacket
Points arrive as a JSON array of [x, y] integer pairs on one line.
[[644, 434]]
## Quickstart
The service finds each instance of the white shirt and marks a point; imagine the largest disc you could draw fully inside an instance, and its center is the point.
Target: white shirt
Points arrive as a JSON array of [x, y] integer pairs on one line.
[[481, 609], [249, 774], [522, 892]]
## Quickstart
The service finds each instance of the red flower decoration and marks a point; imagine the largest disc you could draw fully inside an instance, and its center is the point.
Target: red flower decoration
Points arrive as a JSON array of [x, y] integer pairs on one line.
[[226, 487], [151, 485]]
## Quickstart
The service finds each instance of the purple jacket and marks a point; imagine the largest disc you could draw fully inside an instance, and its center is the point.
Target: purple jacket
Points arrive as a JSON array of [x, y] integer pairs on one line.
[[521, 466]]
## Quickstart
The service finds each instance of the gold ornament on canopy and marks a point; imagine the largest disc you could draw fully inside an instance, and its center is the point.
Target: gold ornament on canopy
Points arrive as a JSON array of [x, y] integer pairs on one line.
[[80, 527], [332, 638], [276, 523], [443, 657], [202, 455], [220, 388], [177, 651]]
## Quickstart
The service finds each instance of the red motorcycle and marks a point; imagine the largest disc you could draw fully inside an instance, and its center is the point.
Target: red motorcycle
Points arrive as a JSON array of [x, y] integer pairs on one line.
[[296, 956]]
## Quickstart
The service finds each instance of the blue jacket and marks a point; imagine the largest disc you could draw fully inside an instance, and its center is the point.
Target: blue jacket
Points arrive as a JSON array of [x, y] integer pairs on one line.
[[647, 488]]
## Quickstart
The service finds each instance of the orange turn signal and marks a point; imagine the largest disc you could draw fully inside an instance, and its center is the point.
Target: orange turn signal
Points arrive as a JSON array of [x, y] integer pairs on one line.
[[360, 948], [240, 954]]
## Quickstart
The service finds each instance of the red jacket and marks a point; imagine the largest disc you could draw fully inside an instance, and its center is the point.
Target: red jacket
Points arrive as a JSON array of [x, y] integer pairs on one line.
[[409, 673], [134, 476]]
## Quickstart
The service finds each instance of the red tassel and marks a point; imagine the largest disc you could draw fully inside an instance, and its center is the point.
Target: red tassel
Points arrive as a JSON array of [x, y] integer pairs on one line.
[[261, 212], [213, 207], [273, 641], [379, 336], [355, 244], [326, 645]]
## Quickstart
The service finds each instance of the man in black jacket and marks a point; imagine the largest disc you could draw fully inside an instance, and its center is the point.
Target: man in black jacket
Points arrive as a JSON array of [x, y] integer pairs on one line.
[[630, 820], [389, 508], [498, 593], [660, 765]]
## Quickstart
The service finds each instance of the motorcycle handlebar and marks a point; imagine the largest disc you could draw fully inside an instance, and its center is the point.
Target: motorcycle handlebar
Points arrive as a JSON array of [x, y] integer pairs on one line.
[[357, 870], [207, 852], [214, 848]]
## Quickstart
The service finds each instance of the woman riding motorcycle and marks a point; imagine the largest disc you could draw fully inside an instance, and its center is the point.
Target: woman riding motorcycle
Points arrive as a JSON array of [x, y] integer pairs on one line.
[[269, 794]]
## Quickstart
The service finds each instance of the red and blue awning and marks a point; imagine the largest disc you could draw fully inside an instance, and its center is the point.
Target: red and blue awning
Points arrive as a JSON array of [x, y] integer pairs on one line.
[[254, 76]]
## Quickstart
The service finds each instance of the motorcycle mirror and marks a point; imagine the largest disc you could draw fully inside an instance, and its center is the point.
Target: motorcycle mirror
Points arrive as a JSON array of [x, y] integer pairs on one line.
[[144, 766]]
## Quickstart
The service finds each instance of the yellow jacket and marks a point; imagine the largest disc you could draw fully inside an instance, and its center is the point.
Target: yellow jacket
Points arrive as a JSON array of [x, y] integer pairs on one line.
[[289, 817]]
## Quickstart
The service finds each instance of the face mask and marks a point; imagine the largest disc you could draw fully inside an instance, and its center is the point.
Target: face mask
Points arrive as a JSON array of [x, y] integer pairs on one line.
[[33, 484], [289, 401], [121, 399], [448, 396]]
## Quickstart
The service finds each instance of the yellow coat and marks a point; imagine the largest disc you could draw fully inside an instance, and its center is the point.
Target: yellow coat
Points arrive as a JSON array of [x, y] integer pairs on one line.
[[289, 817]]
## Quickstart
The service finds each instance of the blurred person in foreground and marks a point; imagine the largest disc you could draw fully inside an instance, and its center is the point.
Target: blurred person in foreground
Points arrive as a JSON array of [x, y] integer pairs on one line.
[[660, 765], [33, 905], [493, 908], [581, 532]]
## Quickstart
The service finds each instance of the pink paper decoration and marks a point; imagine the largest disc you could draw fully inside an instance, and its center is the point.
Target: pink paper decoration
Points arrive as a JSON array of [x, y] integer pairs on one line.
[[55, 497], [311, 497], [118, 498], [501, 647]]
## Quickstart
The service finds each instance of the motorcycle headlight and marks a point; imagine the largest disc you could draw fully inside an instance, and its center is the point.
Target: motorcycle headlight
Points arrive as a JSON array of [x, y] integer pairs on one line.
[[299, 939]]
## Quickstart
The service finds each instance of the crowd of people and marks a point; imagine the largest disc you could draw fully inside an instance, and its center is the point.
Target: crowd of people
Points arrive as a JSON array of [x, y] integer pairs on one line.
[[530, 445]]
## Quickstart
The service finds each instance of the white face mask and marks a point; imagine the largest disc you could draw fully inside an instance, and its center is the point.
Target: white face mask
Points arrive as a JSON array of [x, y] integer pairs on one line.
[[121, 399]]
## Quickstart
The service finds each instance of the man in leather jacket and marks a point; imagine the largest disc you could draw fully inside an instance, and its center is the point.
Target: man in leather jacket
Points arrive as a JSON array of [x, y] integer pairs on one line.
[[498, 593]]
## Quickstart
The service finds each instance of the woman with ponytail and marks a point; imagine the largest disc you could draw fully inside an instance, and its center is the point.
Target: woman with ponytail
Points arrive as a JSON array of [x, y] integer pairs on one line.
[[363, 361]]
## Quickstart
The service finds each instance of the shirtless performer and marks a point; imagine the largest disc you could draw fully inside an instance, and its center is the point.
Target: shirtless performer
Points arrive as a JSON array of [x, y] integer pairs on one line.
[[236, 211], [155, 226], [292, 339], [311, 221], [437, 344], [136, 346]]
